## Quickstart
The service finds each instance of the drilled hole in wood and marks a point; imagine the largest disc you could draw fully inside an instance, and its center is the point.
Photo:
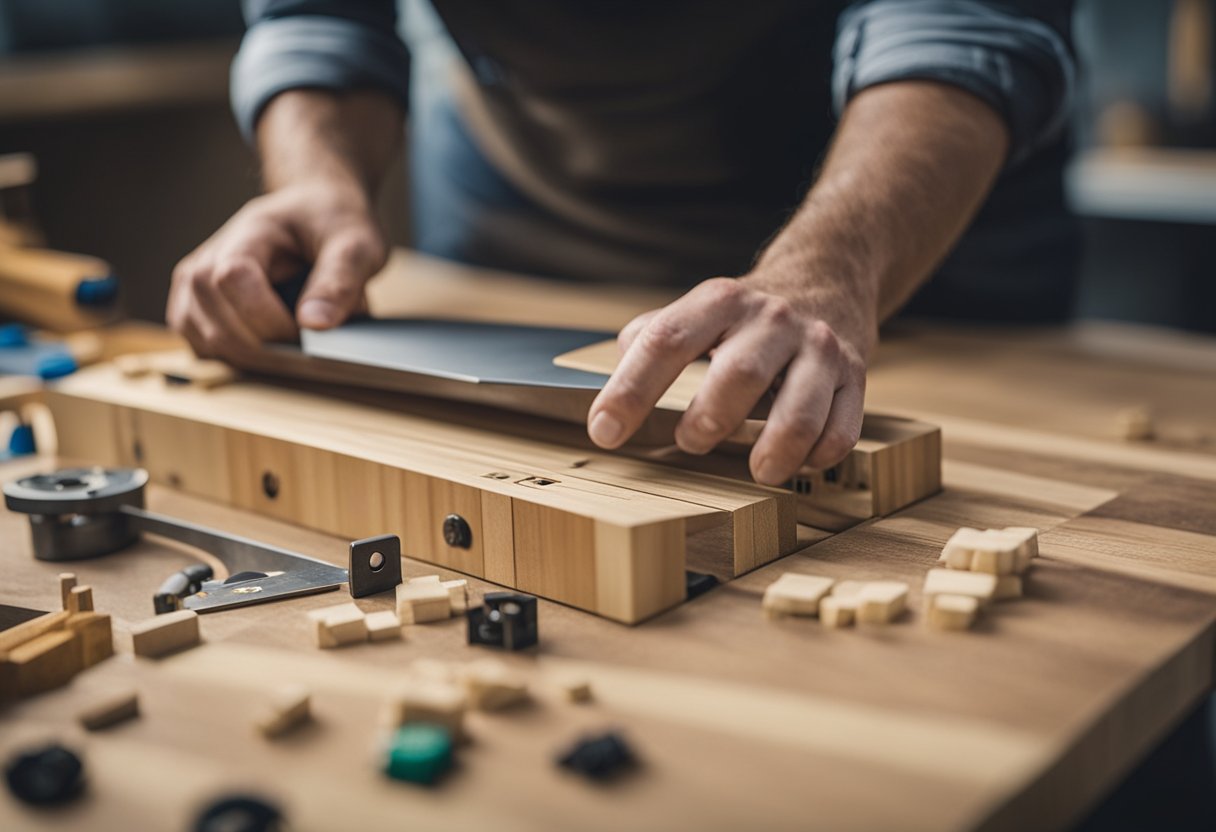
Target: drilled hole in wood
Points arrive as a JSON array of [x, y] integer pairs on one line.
[[137, 451], [497, 475], [270, 484], [174, 479]]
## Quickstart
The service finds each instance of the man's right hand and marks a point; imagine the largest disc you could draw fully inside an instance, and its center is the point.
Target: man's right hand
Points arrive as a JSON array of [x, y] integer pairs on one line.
[[222, 299], [323, 156]]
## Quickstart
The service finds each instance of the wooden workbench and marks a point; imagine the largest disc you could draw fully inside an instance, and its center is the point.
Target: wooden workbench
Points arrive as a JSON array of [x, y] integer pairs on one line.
[[741, 722]]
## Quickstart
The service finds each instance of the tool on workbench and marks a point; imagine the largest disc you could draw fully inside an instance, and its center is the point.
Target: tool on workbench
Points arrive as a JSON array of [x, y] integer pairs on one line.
[[87, 512], [51, 289]]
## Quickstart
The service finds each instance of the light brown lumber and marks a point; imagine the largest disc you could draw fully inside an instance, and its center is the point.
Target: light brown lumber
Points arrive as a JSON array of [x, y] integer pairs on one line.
[[423, 602], [795, 594], [80, 599], [354, 470], [458, 594], [491, 686], [96, 634], [45, 662], [109, 708], [13, 637], [339, 625], [837, 611], [288, 708], [952, 612], [67, 580], [881, 602], [979, 585], [1007, 586], [163, 634], [428, 700], [383, 625]]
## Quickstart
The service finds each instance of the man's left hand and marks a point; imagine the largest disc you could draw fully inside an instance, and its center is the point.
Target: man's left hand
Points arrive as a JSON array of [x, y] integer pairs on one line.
[[760, 338]]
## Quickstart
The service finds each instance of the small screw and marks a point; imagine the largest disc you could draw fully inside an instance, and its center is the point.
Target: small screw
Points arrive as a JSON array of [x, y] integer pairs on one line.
[[270, 485], [456, 532]]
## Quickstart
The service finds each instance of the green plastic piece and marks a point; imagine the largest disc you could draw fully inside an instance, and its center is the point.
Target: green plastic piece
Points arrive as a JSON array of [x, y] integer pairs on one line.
[[419, 753]]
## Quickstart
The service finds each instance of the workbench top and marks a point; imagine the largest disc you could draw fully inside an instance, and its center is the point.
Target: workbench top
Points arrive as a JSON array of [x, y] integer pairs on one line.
[[740, 721]]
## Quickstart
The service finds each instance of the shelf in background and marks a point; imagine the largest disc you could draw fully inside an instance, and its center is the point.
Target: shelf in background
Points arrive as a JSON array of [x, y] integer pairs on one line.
[[113, 79], [1155, 184]]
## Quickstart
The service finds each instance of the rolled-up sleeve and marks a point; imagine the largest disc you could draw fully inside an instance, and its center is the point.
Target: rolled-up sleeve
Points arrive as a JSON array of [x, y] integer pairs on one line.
[[1015, 56], [326, 44]]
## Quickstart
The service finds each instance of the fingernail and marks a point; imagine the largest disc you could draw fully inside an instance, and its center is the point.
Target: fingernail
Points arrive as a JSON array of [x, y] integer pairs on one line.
[[708, 425], [316, 314], [605, 429], [767, 472]]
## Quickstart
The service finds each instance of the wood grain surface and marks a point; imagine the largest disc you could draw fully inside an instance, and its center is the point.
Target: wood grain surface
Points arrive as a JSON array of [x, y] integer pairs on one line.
[[740, 722]]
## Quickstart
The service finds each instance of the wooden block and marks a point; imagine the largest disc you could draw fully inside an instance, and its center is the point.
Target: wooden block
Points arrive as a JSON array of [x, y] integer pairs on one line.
[[848, 589], [420, 602], [339, 625], [979, 585], [1028, 545], [991, 551], [96, 634], [46, 662], [426, 700], [838, 611], [80, 599], [425, 579], [952, 612], [1007, 586], [164, 634], [458, 593], [491, 686], [110, 709], [880, 602], [794, 594], [289, 707], [26, 631], [959, 550], [575, 689], [383, 625], [1134, 424], [67, 580]]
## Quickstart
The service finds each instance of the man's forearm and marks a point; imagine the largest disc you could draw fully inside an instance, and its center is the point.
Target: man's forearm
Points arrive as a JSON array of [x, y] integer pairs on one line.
[[911, 163], [338, 139]]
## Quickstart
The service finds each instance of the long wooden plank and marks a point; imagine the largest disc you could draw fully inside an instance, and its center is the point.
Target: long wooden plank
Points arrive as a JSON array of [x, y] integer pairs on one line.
[[323, 463]]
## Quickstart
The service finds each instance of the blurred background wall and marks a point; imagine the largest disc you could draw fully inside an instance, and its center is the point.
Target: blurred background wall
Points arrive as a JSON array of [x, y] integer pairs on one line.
[[124, 102]]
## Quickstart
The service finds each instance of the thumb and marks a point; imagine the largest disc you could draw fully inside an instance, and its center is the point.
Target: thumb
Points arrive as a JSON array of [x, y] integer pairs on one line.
[[347, 259]]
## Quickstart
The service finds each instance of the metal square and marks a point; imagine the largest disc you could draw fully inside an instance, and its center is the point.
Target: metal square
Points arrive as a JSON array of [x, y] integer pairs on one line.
[[367, 578]]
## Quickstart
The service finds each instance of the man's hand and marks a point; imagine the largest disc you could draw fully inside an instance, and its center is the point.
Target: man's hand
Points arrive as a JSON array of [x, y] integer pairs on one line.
[[909, 166], [323, 155], [761, 340], [222, 299]]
